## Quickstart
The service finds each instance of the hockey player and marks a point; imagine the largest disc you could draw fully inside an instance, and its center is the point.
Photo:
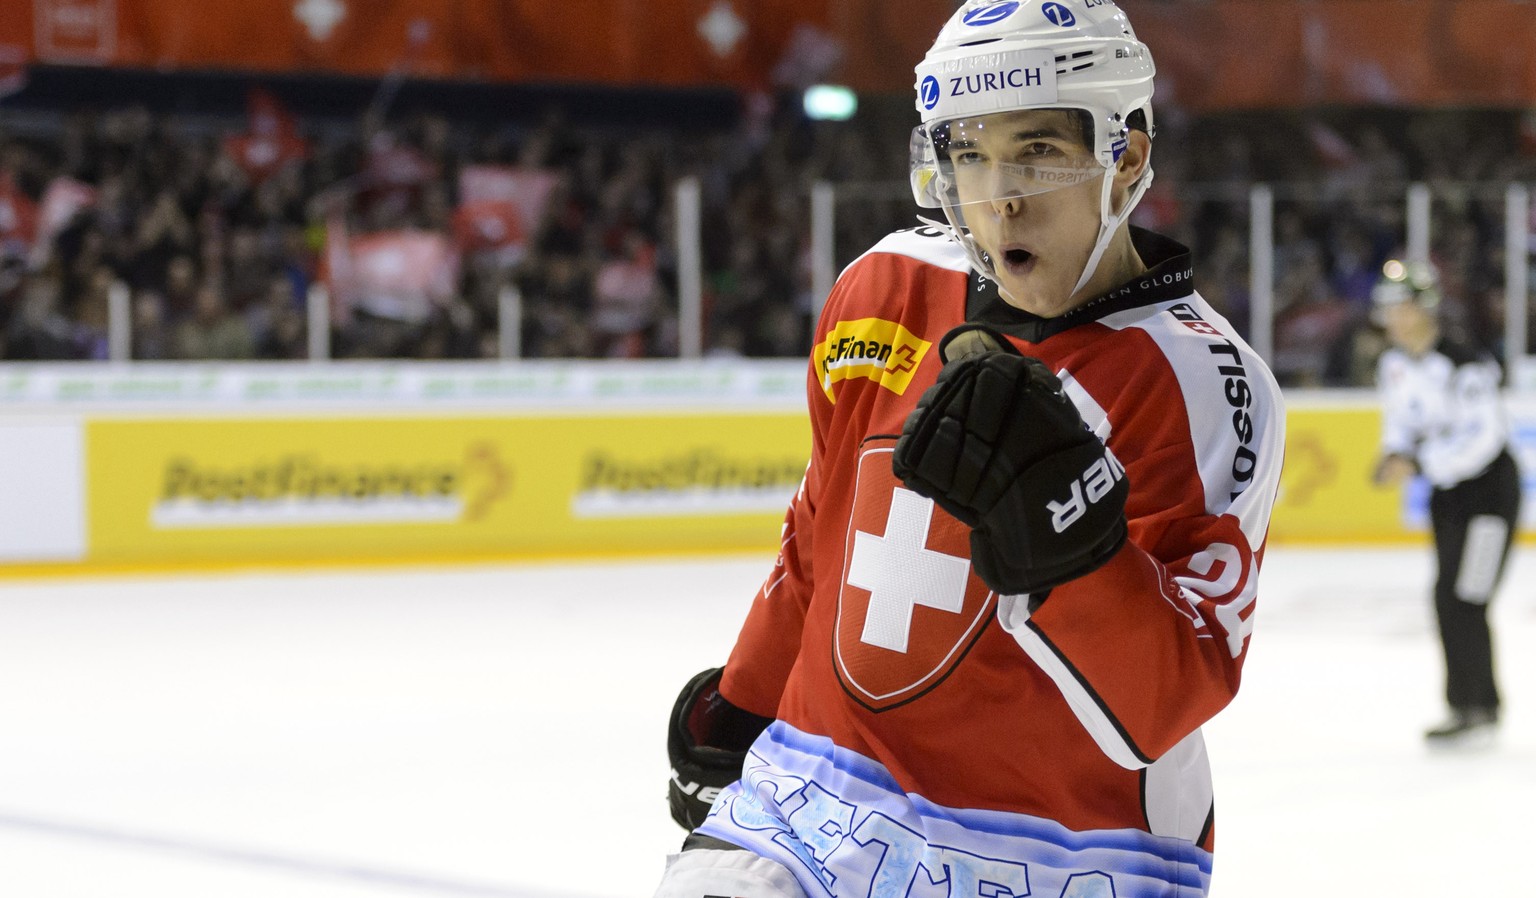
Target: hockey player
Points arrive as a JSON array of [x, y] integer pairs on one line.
[[1020, 572], [1442, 418]]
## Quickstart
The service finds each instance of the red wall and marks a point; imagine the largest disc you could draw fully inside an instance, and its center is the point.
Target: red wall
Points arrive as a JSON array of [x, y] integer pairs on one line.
[[1212, 54]]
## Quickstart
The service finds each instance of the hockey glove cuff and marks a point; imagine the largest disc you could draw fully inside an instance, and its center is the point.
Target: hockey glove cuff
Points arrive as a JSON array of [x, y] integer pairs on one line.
[[707, 741]]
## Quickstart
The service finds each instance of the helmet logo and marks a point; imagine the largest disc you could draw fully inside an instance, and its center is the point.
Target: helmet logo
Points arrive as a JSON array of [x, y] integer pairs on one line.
[[991, 15], [1059, 15], [929, 92]]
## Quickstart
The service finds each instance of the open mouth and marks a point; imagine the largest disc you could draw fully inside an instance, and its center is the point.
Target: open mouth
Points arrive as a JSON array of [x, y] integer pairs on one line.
[[1018, 261]]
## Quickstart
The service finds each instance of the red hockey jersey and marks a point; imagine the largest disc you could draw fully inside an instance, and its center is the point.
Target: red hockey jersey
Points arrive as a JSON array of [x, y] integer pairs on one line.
[[933, 737]]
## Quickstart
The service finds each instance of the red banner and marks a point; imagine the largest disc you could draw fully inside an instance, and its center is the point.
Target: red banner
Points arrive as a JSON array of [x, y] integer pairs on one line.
[[1252, 54], [1211, 54], [737, 43]]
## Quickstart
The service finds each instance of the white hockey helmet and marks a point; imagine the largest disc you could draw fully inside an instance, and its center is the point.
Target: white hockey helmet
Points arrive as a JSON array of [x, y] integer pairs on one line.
[[994, 57], [1401, 281]]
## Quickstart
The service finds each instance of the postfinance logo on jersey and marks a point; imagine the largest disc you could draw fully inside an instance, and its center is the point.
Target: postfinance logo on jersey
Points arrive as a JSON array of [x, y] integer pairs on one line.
[[882, 351]]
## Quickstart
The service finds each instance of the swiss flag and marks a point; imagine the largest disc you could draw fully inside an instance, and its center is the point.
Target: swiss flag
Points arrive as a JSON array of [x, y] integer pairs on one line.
[[910, 607], [393, 274], [488, 224], [500, 205], [272, 140]]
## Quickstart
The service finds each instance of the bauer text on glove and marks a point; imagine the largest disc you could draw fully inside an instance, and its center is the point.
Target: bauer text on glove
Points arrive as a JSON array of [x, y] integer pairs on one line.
[[997, 443]]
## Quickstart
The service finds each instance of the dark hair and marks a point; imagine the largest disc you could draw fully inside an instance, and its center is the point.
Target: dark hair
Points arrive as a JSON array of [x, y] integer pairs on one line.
[[1137, 121]]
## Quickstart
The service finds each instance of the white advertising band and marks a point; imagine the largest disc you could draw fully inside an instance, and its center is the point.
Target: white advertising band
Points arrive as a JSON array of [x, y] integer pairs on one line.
[[986, 83]]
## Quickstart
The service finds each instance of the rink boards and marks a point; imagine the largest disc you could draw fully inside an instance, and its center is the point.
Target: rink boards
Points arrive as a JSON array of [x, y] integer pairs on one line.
[[209, 466]]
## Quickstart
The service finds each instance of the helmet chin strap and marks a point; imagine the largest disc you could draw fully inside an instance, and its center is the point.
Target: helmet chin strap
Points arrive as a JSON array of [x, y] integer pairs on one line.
[[1109, 222]]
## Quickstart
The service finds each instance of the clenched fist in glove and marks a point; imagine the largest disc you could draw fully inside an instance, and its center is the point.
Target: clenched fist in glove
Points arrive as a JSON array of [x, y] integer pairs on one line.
[[997, 443]]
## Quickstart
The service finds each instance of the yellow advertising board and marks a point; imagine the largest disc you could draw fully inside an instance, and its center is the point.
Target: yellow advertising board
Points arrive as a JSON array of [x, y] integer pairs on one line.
[[578, 461], [290, 489], [1326, 493], [215, 490]]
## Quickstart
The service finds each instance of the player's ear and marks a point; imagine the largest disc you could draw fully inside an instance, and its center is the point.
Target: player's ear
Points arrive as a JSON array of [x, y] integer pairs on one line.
[[1134, 161], [1131, 166]]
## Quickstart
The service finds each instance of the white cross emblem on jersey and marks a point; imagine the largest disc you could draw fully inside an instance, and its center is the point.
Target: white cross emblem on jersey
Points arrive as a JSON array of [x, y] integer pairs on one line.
[[901, 574]]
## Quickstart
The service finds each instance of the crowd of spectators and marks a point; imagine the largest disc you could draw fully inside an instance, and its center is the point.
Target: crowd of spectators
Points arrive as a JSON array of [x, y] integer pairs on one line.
[[1340, 182], [214, 235]]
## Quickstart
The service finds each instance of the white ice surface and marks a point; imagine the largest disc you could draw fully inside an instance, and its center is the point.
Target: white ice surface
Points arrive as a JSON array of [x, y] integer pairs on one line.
[[498, 731]]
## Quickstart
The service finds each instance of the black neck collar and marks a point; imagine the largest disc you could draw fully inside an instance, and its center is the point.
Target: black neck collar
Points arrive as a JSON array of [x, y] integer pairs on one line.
[[1169, 275]]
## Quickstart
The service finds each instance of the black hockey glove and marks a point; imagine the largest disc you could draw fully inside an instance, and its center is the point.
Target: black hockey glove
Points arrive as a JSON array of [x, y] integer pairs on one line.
[[998, 444], [707, 741]]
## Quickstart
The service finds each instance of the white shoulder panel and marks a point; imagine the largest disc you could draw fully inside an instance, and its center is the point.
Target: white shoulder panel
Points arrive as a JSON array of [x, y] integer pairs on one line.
[[926, 244], [1236, 413]]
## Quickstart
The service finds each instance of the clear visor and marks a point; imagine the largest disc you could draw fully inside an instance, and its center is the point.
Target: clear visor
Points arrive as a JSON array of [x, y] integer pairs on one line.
[[998, 157], [1389, 295]]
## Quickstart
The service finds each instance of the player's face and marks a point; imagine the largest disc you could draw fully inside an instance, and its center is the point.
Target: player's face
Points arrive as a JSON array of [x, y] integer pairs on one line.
[[1029, 192], [1407, 325]]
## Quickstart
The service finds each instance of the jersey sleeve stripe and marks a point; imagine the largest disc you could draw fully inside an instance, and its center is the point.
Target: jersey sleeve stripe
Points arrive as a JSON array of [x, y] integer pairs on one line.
[[1107, 732]]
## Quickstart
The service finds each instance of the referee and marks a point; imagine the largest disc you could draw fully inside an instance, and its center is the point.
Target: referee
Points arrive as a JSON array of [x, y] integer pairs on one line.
[[1442, 418]]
